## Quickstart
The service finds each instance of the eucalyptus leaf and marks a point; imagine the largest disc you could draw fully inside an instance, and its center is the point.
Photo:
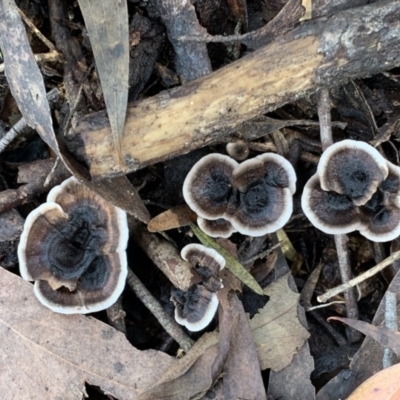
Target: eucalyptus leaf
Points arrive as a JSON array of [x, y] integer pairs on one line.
[[108, 28]]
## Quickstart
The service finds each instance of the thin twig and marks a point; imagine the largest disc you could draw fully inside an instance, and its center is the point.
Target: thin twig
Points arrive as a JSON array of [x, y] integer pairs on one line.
[[36, 31], [391, 323], [42, 57], [324, 116], [361, 278], [12, 134], [324, 305], [52, 96], [167, 322]]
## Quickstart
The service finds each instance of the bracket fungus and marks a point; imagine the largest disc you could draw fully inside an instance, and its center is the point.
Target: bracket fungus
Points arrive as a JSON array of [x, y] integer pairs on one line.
[[354, 188], [254, 197], [73, 247], [196, 307]]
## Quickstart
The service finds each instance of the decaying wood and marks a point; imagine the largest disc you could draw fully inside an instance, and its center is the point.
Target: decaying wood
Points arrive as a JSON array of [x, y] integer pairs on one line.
[[164, 255], [324, 52], [33, 175]]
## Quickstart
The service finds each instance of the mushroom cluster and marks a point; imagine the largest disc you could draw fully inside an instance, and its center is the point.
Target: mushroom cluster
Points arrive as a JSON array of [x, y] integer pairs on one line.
[[73, 247], [196, 307], [355, 188], [253, 198]]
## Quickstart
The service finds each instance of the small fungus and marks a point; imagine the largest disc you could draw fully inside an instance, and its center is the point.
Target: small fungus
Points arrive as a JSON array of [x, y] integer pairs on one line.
[[238, 150], [73, 247], [196, 307], [354, 188], [255, 197]]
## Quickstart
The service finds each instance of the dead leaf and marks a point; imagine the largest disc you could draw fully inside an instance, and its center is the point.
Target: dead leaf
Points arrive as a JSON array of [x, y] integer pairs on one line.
[[108, 28], [45, 355], [241, 376], [277, 331], [191, 376], [293, 382], [385, 385], [264, 267], [385, 336], [173, 218]]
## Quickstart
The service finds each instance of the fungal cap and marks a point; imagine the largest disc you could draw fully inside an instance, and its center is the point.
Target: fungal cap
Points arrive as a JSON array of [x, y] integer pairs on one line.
[[353, 168]]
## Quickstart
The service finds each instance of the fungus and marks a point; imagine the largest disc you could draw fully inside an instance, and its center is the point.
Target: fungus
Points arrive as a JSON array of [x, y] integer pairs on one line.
[[217, 228], [354, 188], [352, 168], [266, 186], [196, 307], [255, 197], [206, 262], [238, 150], [329, 211], [73, 247], [207, 188]]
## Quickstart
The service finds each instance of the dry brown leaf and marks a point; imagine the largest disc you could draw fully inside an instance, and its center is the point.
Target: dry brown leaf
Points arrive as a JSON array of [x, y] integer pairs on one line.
[[174, 218], [385, 385], [385, 336], [45, 355], [241, 376], [277, 331], [108, 28], [191, 376]]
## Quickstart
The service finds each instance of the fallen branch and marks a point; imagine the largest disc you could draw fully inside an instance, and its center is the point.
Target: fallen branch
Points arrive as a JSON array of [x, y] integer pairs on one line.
[[325, 52]]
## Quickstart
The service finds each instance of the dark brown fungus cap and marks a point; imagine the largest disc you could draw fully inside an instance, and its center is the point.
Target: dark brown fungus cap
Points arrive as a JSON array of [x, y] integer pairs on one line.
[[206, 262], [194, 308], [381, 222], [74, 246], [207, 188], [216, 228], [266, 185], [238, 150], [328, 211], [352, 168], [390, 187]]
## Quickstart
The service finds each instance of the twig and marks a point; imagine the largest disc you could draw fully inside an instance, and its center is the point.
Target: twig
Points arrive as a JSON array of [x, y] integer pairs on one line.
[[164, 255], [324, 116], [36, 31], [52, 96], [388, 358], [42, 57], [172, 328], [360, 278], [12, 134], [324, 305], [391, 323]]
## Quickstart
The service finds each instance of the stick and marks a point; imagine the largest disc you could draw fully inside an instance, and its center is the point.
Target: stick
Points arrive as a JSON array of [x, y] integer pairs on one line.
[[361, 278], [173, 329]]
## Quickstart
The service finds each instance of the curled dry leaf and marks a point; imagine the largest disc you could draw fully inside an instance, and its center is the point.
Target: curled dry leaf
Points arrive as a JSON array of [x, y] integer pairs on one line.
[[384, 385], [277, 331], [173, 218], [385, 336]]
